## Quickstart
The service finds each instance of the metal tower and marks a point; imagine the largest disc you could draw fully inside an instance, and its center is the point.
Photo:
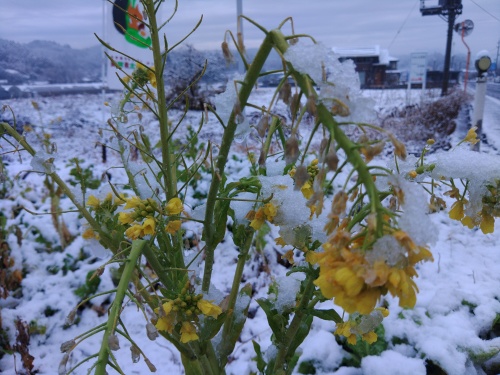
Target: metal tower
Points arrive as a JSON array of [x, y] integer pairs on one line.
[[448, 10]]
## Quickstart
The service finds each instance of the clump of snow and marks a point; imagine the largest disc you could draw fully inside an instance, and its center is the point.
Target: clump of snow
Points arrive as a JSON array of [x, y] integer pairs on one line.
[[387, 249], [288, 287], [225, 103], [478, 168], [394, 363]]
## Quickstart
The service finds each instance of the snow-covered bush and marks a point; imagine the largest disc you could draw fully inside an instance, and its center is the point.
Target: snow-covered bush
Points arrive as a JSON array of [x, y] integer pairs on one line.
[[353, 230]]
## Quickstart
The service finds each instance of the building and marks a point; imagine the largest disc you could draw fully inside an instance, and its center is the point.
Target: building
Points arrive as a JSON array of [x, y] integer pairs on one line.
[[376, 68]]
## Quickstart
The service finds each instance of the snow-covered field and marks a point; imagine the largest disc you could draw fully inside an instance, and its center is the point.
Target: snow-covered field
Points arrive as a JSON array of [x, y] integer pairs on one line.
[[453, 327]]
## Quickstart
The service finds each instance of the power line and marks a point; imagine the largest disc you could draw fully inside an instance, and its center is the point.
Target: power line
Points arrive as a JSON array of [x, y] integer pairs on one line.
[[484, 10], [403, 25]]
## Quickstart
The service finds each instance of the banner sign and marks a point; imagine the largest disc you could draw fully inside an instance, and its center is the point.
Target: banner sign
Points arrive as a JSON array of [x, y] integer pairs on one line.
[[126, 32], [418, 67]]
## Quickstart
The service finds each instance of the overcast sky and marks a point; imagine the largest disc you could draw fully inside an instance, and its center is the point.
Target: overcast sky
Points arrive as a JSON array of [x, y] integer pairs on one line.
[[396, 25]]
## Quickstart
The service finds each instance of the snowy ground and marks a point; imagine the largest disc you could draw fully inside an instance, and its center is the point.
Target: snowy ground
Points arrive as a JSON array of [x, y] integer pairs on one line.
[[454, 325]]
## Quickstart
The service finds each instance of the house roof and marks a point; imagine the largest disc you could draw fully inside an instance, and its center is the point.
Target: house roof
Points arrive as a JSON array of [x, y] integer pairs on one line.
[[383, 54]]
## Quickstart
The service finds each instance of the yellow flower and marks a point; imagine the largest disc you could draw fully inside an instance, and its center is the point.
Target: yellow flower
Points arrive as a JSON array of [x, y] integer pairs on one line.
[[307, 190], [134, 232], [369, 337], [89, 234], [209, 309], [173, 226], [125, 218], [270, 211], [149, 225], [174, 206], [344, 329], [152, 78], [165, 323], [259, 219], [280, 241], [188, 332], [93, 202], [487, 224], [133, 202], [288, 256], [457, 210], [471, 136], [468, 222]]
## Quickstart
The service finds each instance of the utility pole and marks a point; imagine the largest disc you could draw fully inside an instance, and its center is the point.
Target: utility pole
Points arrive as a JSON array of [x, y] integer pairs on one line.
[[447, 9]]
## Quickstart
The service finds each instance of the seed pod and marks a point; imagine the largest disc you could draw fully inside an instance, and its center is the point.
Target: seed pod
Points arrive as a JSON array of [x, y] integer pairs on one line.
[[263, 125], [322, 149], [151, 331], [285, 92], [294, 105], [151, 367], [399, 147], [339, 203], [262, 159], [301, 177], [62, 365], [340, 108], [241, 44], [311, 106], [291, 150], [332, 160], [65, 346], [71, 317], [135, 353], [226, 52], [113, 342]]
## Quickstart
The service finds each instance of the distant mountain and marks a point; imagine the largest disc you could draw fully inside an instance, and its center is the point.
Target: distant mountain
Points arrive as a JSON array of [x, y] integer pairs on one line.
[[48, 61], [55, 63]]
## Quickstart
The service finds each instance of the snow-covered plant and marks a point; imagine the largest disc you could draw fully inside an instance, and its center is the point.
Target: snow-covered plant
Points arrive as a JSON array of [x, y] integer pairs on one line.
[[354, 231]]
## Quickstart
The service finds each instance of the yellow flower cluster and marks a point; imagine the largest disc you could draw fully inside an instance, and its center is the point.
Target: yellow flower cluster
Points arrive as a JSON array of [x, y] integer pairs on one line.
[[362, 326], [355, 283], [142, 218], [267, 212], [181, 315], [484, 219], [102, 209]]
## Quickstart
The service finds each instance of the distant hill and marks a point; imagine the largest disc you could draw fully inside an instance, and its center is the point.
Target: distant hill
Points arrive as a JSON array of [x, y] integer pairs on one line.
[[48, 61], [55, 63]]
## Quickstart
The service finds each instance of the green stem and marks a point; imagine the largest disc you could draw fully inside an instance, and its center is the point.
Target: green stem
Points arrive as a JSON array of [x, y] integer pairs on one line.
[[353, 155], [135, 252], [167, 158], [242, 257], [227, 140], [300, 313]]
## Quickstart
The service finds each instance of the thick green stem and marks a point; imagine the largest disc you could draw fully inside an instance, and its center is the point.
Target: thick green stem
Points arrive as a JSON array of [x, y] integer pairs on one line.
[[166, 149], [242, 257], [131, 262], [300, 313], [227, 140]]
